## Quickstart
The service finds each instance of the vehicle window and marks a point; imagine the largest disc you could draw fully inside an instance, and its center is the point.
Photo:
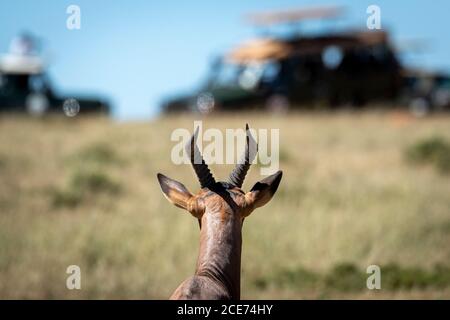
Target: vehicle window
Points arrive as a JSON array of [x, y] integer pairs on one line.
[[227, 74], [270, 71], [247, 76], [444, 82], [37, 83]]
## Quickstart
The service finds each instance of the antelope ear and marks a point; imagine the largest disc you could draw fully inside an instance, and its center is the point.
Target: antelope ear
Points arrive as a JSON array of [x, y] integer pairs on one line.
[[263, 191], [174, 191]]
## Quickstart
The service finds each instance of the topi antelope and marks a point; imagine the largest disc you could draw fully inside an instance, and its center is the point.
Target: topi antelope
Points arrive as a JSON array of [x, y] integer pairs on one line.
[[220, 208]]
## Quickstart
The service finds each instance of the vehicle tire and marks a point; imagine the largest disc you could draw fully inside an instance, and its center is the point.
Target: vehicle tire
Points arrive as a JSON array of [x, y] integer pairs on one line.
[[278, 104], [36, 104], [419, 107]]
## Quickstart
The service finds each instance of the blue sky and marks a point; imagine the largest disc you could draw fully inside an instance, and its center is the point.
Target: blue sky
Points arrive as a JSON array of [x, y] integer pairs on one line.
[[138, 52]]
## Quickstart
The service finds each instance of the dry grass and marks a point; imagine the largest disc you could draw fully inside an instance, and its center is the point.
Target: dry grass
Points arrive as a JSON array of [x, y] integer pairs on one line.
[[347, 195]]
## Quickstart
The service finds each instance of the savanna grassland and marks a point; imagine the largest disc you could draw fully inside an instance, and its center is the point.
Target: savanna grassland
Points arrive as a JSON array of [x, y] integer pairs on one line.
[[358, 189]]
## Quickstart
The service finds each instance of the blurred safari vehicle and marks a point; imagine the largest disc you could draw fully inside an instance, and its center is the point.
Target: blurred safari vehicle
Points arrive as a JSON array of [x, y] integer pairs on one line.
[[426, 91], [25, 87], [329, 69]]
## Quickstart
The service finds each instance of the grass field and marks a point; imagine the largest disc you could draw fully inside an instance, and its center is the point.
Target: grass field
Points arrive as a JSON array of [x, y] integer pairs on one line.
[[83, 191]]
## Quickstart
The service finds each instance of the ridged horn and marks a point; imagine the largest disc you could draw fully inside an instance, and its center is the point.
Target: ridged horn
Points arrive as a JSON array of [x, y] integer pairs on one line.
[[251, 148], [201, 169]]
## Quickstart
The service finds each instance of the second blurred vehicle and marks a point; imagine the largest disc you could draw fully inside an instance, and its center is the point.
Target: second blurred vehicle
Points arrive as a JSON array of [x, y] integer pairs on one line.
[[25, 87]]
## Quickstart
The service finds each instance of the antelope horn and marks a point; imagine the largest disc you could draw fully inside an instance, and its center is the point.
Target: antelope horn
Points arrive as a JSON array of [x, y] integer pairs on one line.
[[251, 148], [201, 169]]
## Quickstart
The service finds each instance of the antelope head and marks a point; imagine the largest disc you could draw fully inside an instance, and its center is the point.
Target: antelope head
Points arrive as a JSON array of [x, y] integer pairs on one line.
[[227, 196]]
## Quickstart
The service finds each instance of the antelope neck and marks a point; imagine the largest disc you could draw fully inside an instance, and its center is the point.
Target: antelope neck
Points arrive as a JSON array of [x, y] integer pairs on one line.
[[220, 251]]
